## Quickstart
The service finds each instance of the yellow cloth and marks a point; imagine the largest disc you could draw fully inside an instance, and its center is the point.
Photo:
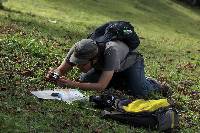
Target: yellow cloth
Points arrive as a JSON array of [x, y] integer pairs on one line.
[[141, 105]]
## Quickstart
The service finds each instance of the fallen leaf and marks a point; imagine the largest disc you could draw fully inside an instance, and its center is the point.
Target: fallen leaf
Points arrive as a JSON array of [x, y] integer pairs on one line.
[[27, 73], [97, 130], [3, 88]]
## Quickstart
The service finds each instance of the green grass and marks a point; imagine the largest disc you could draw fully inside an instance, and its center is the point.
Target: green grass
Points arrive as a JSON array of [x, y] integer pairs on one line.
[[36, 35]]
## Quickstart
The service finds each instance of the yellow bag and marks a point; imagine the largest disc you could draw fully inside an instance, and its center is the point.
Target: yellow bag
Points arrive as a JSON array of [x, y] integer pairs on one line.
[[141, 105]]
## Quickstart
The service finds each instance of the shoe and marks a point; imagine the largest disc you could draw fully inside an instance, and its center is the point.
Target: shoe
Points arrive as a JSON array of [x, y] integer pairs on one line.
[[164, 88]]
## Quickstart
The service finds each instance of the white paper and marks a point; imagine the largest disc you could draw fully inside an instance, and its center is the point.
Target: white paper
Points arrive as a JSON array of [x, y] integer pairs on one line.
[[67, 95]]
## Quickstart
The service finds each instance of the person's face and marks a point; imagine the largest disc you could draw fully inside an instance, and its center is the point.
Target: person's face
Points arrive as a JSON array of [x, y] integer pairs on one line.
[[85, 67]]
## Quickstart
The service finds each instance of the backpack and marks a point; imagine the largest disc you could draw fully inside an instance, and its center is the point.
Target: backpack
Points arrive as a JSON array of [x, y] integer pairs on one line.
[[116, 30], [153, 114]]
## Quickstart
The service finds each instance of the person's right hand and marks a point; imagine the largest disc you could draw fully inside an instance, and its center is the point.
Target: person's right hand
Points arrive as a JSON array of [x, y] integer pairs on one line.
[[48, 76]]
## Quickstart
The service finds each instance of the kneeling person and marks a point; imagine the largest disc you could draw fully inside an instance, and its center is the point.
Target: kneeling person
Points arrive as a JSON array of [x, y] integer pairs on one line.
[[106, 65]]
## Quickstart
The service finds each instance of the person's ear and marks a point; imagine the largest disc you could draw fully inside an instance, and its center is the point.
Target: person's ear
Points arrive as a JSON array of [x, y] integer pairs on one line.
[[94, 61]]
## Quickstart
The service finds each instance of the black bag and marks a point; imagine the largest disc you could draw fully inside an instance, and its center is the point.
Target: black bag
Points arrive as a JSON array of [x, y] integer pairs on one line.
[[165, 119], [116, 30], [147, 120]]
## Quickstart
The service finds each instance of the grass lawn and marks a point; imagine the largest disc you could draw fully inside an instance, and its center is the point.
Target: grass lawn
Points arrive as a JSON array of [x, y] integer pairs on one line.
[[36, 35]]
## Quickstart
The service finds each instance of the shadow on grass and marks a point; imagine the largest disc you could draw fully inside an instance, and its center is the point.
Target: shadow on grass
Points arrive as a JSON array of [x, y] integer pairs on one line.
[[188, 5], [10, 10]]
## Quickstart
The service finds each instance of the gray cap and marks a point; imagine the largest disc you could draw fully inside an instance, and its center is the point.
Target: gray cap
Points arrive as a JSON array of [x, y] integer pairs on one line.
[[84, 50]]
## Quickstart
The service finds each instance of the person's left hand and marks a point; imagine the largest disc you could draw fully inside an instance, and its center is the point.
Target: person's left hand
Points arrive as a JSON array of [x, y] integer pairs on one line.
[[63, 81]]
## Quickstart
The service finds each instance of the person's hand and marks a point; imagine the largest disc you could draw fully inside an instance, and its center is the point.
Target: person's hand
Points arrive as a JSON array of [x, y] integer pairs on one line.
[[49, 76], [63, 81]]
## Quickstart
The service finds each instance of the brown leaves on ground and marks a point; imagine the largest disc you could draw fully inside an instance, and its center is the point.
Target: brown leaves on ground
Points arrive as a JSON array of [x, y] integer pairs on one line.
[[194, 105], [10, 29], [184, 88], [190, 66], [18, 59], [162, 79], [187, 66], [3, 88], [27, 73], [97, 130]]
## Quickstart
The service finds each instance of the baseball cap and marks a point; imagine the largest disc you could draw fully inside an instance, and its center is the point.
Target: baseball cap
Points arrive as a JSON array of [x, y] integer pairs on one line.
[[84, 50]]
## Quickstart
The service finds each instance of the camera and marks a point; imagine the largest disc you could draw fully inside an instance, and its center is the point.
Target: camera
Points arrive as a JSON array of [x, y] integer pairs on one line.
[[54, 76], [103, 101]]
